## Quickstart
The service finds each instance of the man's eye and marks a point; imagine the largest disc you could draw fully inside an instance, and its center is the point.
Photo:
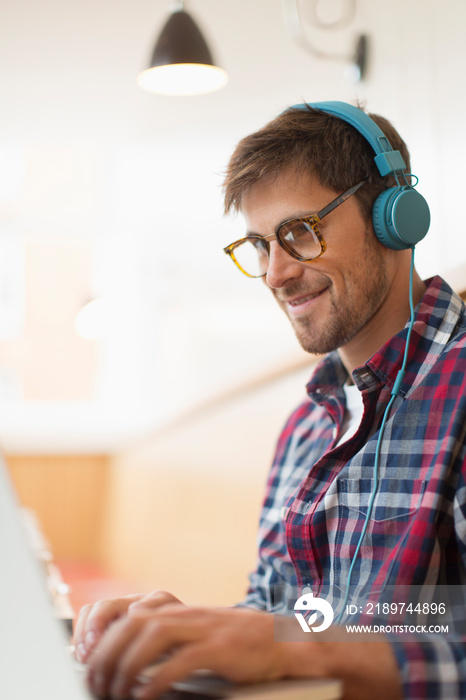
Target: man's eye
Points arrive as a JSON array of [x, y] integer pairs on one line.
[[259, 245], [297, 232]]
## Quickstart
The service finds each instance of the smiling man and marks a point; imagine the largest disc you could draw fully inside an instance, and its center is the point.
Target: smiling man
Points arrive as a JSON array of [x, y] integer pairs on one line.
[[355, 295], [366, 495]]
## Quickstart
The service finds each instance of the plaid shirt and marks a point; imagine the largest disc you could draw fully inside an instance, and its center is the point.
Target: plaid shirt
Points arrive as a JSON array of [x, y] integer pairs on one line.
[[317, 492]]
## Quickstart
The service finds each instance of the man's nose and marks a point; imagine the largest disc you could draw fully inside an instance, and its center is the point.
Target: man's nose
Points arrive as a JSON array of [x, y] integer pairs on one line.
[[282, 267]]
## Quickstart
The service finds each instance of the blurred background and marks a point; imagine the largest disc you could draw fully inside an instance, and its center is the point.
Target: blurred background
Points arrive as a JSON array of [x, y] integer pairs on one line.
[[143, 435]]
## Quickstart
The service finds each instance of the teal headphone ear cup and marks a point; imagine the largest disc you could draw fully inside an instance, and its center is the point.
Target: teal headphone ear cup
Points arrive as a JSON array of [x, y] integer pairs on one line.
[[400, 217]]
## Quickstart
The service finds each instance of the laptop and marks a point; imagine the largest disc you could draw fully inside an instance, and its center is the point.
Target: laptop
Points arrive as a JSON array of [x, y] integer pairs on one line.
[[35, 663]]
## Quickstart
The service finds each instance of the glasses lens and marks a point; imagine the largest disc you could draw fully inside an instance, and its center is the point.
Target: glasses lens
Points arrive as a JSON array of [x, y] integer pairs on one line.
[[252, 256], [299, 238]]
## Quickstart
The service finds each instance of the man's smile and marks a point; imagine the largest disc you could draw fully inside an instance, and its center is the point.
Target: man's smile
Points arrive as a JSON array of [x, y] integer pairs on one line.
[[297, 304]]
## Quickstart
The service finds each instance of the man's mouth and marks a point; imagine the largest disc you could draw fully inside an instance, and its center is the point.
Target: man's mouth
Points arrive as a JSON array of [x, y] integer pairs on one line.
[[298, 304], [302, 300]]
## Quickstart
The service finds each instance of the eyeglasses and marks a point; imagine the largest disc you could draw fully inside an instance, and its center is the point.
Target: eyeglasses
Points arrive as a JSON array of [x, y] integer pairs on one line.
[[300, 238]]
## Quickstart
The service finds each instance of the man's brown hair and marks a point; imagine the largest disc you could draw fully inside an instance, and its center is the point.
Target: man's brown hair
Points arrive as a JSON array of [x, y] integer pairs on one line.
[[315, 142]]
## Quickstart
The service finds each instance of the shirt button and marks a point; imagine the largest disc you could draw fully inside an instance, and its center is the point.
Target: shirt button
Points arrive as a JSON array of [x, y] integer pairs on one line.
[[284, 512]]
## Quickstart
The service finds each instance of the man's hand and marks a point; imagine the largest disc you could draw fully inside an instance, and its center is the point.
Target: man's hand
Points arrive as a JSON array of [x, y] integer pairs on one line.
[[235, 643], [241, 645], [93, 620]]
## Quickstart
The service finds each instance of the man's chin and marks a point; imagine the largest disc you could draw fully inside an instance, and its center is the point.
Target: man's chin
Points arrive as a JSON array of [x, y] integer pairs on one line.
[[315, 343], [311, 349], [308, 344]]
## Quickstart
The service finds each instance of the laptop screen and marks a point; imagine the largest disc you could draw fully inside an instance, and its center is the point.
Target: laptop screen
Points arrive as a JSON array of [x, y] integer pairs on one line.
[[34, 661]]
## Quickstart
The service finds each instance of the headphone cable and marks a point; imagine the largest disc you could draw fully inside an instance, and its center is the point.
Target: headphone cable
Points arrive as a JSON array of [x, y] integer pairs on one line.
[[394, 393]]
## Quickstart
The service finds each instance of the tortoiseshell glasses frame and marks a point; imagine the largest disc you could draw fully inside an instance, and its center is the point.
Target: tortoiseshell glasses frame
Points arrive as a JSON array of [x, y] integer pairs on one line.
[[300, 238]]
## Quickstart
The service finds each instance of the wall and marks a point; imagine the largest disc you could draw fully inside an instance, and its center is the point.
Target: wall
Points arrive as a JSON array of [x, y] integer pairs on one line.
[[68, 492], [177, 511], [184, 505]]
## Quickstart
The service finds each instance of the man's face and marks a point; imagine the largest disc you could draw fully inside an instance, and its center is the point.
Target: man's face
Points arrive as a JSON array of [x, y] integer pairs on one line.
[[335, 298]]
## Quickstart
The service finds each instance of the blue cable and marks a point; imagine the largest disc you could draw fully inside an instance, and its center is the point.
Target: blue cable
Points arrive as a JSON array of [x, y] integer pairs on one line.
[[394, 393]]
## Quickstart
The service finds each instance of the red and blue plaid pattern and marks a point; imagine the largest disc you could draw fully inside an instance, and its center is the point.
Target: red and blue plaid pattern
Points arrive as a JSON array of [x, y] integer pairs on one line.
[[317, 494]]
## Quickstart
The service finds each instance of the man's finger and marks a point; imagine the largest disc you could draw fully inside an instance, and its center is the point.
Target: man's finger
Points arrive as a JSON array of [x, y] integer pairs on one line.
[[154, 600], [183, 662], [94, 619], [132, 646]]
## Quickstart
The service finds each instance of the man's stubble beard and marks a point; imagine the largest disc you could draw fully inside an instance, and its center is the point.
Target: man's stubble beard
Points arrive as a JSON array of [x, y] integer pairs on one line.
[[350, 315]]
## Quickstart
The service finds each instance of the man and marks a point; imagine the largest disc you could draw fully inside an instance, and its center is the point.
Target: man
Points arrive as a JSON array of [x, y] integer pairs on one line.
[[367, 486]]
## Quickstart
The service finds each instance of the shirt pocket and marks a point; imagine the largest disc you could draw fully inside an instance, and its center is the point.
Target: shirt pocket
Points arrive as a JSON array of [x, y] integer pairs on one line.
[[395, 506]]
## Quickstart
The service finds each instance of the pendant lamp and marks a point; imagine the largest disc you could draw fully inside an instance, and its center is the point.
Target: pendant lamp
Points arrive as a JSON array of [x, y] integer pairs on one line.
[[181, 63]]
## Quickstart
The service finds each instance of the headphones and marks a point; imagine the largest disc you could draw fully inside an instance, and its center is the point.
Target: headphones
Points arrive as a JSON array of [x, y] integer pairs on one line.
[[400, 215]]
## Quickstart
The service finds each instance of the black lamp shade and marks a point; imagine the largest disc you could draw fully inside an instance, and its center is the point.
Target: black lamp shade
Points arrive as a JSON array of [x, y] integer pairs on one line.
[[180, 41], [181, 63]]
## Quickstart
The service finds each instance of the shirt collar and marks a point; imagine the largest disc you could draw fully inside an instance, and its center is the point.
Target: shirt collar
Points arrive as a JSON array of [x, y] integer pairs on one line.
[[437, 316]]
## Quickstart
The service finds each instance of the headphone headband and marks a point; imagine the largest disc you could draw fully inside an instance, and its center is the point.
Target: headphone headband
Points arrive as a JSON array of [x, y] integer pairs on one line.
[[387, 160], [400, 215]]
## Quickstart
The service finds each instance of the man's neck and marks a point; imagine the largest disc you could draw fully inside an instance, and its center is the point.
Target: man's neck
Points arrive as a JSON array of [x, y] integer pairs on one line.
[[389, 320]]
